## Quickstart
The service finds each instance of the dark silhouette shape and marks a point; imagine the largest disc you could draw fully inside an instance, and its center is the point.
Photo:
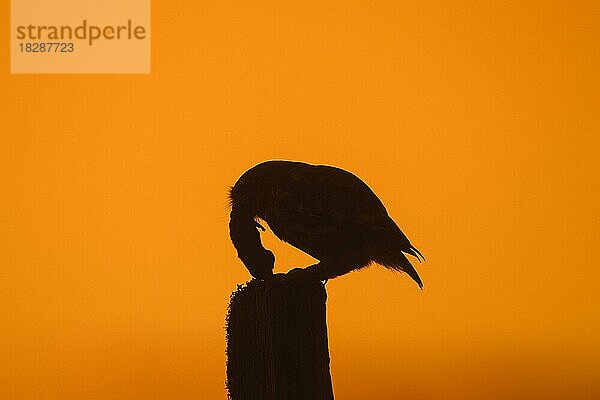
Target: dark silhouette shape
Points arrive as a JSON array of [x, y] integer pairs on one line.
[[324, 211], [277, 346]]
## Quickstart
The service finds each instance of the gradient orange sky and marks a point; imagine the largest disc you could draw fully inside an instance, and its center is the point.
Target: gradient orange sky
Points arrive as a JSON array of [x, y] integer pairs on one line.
[[476, 123]]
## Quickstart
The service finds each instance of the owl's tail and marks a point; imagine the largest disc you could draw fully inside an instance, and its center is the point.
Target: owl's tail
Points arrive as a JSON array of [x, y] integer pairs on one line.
[[400, 263], [413, 251], [391, 255], [388, 245]]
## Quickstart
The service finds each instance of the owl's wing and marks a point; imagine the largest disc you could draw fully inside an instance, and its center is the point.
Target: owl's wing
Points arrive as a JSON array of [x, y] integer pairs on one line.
[[317, 208]]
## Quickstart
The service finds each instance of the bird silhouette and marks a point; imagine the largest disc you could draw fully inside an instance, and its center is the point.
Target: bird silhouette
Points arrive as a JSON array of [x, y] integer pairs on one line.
[[325, 211]]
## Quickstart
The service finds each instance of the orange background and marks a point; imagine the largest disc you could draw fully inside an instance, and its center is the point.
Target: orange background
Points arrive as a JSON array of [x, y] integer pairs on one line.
[[477, 125], [103, 56]]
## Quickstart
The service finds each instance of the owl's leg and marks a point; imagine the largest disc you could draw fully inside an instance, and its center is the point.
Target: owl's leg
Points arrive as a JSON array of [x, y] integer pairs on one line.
[[332, 268], [302, 277], [319, 270], [315, 272], [325, 270]]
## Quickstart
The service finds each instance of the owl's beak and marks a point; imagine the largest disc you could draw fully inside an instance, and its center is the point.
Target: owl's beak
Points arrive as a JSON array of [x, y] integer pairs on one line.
[[259, 226]]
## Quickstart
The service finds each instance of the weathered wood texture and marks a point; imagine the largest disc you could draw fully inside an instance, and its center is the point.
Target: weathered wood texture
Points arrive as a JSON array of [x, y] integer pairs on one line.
[[277, 345]]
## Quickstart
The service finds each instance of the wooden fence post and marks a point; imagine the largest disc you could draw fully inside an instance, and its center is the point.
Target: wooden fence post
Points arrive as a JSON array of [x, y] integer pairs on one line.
[[277, 342]]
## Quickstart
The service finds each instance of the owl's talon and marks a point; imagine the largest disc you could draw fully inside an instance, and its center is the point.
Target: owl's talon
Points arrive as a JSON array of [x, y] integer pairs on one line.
[[301, 277]]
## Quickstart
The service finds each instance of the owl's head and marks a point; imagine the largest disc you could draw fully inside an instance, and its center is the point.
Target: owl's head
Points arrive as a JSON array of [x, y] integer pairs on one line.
[[260, 263]]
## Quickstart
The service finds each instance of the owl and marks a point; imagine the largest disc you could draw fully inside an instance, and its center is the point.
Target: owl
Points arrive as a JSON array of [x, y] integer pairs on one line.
[[325, 211]]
